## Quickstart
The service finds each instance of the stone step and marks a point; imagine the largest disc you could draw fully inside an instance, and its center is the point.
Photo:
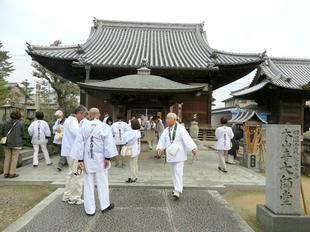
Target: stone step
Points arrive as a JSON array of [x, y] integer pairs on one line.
[[26, 157]]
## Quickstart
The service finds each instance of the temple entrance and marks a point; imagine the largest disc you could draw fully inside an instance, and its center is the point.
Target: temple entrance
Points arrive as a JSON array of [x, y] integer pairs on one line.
[[142, 94], [145, 112]]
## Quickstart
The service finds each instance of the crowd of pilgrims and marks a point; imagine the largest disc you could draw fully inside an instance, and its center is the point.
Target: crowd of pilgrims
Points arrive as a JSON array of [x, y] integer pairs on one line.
[[88, 146]]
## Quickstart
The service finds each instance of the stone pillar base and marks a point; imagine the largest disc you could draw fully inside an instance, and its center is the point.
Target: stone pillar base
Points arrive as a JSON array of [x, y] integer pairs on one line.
[[281, 222]]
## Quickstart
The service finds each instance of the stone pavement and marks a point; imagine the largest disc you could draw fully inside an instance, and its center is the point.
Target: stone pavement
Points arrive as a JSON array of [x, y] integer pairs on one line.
[[203, 173], [137, 209], [147, 205]]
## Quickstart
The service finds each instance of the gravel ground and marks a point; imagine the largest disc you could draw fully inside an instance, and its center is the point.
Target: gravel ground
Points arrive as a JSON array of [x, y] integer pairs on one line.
[[244, 202], [17, 200]]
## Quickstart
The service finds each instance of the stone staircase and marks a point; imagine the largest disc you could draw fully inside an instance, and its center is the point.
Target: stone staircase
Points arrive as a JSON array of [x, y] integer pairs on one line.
[[26, 156], [206, 134]]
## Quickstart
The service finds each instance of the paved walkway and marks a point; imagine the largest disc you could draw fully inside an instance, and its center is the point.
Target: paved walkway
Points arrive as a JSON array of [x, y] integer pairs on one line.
[[202, 173], [137, 209], [148, 204]]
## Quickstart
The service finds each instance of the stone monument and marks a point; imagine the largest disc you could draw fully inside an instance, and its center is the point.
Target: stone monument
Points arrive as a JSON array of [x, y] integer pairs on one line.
[[282, 211], [194, 131], [194, 128]]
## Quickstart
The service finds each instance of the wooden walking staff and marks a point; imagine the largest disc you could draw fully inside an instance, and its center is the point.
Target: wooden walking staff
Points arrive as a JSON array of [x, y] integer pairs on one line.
[[303, 198]]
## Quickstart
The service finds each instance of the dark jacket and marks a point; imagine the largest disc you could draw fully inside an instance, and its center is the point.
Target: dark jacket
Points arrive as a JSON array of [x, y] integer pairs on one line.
[[15, 138]]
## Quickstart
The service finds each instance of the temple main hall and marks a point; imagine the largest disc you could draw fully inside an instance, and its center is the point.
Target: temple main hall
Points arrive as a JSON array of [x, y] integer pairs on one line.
[[130, 68]]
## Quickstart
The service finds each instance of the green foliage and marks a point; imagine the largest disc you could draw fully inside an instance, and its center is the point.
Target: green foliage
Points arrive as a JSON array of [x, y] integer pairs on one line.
[[5, 66], [5, 69], [1, 147], [4, 91], [66, 91], [26, 90]]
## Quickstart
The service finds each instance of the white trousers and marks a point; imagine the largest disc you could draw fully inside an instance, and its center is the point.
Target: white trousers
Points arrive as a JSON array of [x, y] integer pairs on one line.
[[177, 175], [150, 137], [102, 189], [74, 183], [36, 153], [133, 163], [222, 154]]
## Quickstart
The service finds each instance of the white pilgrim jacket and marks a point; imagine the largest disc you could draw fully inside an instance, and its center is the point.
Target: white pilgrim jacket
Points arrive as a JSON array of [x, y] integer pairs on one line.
[[118, 130], [94, 142], [133, 139], [182, 138], [39, 130], [71, 128], [223, 134]]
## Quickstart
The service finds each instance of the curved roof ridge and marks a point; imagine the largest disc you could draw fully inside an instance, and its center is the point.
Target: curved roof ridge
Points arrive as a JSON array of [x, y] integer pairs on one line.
[[223, 52], [39, 47], [141, 82], [289, 73], [272, 68], [137, 24], [290, 59]]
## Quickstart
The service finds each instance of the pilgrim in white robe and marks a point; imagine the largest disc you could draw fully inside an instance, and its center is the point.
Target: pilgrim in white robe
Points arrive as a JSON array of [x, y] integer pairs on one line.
[[223, 134], [74, 183], [150, 133], [94, 144], [118, 130], [133, 140], [177, 143], [39, 130]]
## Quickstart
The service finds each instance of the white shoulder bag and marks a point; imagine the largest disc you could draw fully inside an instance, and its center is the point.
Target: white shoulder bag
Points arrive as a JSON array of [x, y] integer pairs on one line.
[[4, 140]]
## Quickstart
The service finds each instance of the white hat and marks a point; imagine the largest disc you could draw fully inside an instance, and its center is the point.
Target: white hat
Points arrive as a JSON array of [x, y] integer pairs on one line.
[[58, 113]]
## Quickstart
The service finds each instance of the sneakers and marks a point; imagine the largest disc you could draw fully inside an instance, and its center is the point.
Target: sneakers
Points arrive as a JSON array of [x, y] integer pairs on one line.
[[176, 194], [90, 215], [231, 162], [65, 199], [75, 202], [13, 176], [110, 207], [131, 180], [223, 170], [230, 159]]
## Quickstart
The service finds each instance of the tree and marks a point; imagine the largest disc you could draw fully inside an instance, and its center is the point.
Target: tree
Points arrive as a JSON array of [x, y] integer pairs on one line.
[[4, 91], [5, 69], [66, 91], [26, 90], [5, 66]]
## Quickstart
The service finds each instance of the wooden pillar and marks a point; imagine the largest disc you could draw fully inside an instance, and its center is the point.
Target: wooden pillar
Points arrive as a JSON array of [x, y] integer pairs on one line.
[[209, 107], [302, 116], [87, 70]]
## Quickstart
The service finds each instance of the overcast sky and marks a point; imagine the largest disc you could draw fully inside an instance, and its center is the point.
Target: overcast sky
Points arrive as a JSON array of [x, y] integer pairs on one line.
[[280, 27]]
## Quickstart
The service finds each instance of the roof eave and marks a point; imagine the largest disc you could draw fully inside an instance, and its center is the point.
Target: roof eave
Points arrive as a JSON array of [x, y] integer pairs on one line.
[[34, 55], [80, 65], [109, 89]]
